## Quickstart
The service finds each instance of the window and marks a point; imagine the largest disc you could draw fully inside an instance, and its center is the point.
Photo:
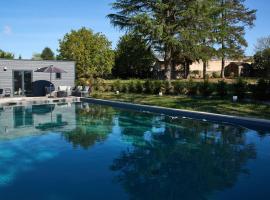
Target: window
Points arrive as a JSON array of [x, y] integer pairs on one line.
[[58, 75]]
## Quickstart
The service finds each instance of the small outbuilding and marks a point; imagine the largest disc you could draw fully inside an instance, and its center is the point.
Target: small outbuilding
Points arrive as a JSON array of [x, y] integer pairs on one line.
[[21, 79]]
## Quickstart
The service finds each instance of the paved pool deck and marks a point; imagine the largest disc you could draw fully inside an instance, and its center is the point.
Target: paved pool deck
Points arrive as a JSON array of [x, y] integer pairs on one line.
[[10, 101], [251, 123]]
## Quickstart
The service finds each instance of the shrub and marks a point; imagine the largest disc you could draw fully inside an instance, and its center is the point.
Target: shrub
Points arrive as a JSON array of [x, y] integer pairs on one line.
[[116, 86], [98, 84], [261, 90], [240, 88], [168, 87], [158, 86], [131, 87], [192, 88], [124, 88], [216, 75], [139, 86], [222, 89], [206, 88], [180, 87], [149, 87]]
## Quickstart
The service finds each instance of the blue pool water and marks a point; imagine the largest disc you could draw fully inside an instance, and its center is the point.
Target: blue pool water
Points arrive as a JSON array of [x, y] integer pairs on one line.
[[83, 151]]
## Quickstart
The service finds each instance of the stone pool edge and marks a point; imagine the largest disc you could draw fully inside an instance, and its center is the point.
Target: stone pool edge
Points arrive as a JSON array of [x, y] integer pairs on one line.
[[251, 123]]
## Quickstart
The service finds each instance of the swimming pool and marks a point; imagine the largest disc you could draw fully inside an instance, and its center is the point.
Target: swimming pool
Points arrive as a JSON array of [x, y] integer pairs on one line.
[[86, 151]]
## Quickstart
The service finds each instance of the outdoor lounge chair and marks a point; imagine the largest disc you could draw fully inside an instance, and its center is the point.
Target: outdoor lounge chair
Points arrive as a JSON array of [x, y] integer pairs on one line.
[[81, 91], [64, 91], [7, 92], [1, 92]]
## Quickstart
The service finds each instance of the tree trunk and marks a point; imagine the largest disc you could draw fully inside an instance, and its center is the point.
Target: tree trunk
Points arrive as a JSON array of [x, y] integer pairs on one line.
[[222, 67], [187, 68], [204, 69], [168, 64]]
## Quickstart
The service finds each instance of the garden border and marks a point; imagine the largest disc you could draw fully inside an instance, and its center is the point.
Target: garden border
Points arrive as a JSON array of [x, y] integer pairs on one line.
[[251, 123]]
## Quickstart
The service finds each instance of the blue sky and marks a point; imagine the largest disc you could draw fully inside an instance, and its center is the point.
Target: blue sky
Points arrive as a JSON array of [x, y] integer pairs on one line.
[[27, 26]]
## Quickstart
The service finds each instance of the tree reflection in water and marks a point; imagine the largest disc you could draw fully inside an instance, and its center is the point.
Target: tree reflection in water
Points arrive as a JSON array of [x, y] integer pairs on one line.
[[93, 124], [188, 160]]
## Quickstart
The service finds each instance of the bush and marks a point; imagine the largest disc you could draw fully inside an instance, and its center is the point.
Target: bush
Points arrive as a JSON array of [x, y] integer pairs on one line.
[[158, 86], [206, 88], [124, 88], [149, 87], [139, 86], [131, 87], [216, 75], [222, 89], [180, 87], [98, 85], [116, 86], [192, 88], [168, 87], [240, 88], [261, 90]]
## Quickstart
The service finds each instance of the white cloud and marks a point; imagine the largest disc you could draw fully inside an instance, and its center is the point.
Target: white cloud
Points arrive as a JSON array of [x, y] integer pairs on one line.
[[7, 30]]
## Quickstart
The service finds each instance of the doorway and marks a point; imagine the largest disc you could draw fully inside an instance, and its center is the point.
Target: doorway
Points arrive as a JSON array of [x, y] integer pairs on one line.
[[22, 83]]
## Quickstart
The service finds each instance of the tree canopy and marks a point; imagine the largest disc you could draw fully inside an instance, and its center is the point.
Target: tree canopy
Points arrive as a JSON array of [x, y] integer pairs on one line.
[[169, 26], [91, 51], [184, 31], [47, 54], [133, 58], [6, 55], [233, 17], [261, 65]]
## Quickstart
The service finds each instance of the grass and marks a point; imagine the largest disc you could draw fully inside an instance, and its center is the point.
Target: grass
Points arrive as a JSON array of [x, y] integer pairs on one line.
[[211, 80], [257, 110]]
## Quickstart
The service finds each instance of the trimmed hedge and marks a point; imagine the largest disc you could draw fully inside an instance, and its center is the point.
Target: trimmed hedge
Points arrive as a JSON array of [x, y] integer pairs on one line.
[[240, 88]]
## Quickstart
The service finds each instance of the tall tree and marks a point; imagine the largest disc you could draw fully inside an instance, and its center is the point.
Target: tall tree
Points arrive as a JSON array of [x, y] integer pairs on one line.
[[6, 55], [47, 54], [133, 59], [91, 51], [169, 26], [234, 17]]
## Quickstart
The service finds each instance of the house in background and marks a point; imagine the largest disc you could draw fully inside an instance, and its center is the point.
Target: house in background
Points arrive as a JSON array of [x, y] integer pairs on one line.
[[20, 78], [232, 67]]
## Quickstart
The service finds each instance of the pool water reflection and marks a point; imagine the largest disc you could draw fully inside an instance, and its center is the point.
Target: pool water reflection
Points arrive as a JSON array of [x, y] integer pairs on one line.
[[84, 151]]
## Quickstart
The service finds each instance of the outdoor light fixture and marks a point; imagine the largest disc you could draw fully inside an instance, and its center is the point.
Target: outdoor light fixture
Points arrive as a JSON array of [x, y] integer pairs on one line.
[[5, 68]]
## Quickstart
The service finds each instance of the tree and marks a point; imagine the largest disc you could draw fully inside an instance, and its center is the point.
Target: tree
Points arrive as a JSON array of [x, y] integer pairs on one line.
[[36, 56], [169, 26], [47, 54], [133, 59], [262, 44], [233, 18], [183, 160], [20, 57], [91, 51], [261, 65], [6, 55]]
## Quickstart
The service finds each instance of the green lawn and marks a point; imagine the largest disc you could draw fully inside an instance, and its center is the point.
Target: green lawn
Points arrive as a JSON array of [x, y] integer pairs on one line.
[[257, 110]]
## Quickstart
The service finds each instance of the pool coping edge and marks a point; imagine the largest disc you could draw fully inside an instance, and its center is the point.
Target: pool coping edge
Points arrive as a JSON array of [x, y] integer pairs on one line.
[[257, 123]]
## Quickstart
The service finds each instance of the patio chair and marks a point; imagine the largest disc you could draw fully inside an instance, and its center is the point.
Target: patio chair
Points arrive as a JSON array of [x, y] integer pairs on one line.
[[7, 92], [50, 90], [85, 91], [64, 91], [81, 91], [1, 92]]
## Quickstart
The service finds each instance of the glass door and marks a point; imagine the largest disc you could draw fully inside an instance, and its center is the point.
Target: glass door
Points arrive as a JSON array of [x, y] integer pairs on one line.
[[22, 83]]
